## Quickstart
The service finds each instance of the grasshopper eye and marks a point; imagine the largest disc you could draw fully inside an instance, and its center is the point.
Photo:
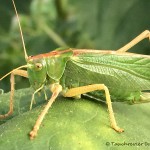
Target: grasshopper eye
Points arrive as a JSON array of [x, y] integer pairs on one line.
[[38, 66]]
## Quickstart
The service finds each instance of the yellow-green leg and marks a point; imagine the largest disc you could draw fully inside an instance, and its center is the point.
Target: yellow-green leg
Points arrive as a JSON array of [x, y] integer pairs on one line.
[[56, 89], [33, 100], [143, 35], [89, 88], [12, 82]]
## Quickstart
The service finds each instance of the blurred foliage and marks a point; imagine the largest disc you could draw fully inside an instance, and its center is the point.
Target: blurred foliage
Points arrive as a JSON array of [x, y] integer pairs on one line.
[[49, 24]]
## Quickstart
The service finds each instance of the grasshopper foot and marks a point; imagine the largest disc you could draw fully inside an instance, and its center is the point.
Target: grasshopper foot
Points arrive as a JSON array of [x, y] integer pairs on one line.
[[6, 115], [116, 128], [33, 134], [2, 116]]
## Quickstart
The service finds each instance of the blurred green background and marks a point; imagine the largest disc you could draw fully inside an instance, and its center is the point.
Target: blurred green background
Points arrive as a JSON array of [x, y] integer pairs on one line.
[[49, 24]]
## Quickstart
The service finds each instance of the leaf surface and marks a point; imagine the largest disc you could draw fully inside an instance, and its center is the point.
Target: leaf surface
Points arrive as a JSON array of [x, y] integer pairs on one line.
[[72, 124]]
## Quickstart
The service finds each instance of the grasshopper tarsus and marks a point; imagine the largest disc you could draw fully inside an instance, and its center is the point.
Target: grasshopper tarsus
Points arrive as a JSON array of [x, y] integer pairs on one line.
[[33, 134], [6, 115], [118, 129]]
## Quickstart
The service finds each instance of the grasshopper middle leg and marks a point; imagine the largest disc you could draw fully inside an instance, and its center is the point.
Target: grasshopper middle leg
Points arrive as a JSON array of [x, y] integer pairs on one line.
[[12, 82], [89, 88]]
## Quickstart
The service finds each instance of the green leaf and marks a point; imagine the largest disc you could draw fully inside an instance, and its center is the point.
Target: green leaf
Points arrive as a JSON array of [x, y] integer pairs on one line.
[[72, 124]]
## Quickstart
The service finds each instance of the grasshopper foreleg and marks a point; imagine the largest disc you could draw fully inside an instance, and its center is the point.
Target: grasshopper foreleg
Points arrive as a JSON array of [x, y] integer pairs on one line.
[[12, 82], [33, 100], [56, 89], [89, 88], [143, 35]]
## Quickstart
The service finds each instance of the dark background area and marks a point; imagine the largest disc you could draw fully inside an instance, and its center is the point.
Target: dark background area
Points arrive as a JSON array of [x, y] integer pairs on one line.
[[49, 24]]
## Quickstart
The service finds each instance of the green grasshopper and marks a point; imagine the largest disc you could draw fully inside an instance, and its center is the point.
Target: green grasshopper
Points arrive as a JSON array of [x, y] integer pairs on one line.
[[72, 72]]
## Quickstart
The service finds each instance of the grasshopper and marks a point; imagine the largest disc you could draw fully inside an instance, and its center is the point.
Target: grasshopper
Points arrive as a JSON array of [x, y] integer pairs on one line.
[[122, 76]]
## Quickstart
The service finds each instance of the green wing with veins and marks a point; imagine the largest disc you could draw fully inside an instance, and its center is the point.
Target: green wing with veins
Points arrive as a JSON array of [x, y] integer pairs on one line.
[[125, 75]]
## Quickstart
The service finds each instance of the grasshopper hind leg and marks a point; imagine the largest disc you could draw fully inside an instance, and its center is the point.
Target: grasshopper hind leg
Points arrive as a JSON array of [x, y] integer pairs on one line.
[[143, 35]]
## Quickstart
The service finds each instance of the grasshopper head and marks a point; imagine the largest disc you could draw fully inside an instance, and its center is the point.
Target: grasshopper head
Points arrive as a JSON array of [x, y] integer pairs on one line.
[[36, 72]]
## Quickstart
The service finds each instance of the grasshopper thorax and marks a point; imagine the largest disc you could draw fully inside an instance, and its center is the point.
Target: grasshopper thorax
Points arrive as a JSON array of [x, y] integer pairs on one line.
[[48, 67]]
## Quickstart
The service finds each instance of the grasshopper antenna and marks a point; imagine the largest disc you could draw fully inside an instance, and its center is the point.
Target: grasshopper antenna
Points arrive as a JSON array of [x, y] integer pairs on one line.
[[21, 34]]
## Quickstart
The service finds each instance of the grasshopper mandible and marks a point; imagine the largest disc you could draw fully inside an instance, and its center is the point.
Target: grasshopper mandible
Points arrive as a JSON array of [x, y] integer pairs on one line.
[[123, 75]]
